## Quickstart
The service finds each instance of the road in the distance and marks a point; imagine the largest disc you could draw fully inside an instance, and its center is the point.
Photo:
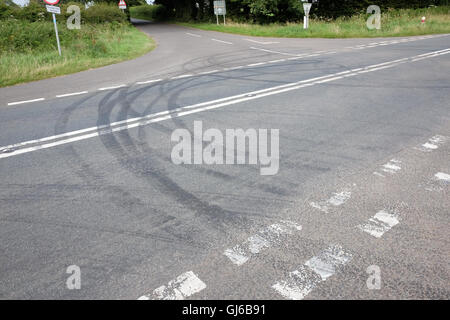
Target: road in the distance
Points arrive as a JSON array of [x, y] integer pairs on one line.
[[362, 180]]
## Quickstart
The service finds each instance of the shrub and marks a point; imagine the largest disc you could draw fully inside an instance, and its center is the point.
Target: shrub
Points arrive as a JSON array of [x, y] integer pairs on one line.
[[103, 12], [149, 12]]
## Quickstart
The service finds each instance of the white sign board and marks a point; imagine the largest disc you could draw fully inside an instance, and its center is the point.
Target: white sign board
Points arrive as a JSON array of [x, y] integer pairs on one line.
[[307, 8], [53, 9], [220, 8]]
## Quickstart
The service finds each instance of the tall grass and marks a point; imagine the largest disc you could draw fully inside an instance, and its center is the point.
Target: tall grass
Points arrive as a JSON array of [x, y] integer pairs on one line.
[[28, 50], [403, 22]]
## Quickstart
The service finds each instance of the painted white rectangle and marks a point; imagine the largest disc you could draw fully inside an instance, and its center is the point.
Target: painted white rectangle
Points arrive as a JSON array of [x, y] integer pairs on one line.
[[337, 199], [302, 281], [265, 238], [443, 176], [180, 288], [380, 223]]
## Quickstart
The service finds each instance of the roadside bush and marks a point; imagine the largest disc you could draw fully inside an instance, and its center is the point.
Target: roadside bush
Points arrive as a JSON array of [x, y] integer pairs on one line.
[[149, 12], [103, 12]]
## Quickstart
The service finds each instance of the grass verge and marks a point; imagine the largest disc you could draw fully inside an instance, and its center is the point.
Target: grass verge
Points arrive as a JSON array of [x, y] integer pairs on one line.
[[394, 23], [28, 50]]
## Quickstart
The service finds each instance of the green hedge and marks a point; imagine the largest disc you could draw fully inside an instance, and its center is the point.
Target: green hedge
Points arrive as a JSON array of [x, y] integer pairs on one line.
[[36, 11], [149, 12]]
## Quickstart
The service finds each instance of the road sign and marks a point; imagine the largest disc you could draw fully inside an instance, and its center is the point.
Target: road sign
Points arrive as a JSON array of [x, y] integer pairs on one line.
[[122, 5], [53, 9], [51, 2], [307, 8], [220, 8]]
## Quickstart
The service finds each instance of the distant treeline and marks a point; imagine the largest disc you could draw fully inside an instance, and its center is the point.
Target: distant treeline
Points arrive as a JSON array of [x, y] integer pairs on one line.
[[267, 11]]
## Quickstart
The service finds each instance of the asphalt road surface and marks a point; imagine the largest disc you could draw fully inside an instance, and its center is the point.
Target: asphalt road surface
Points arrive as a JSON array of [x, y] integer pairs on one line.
[[359, 208]]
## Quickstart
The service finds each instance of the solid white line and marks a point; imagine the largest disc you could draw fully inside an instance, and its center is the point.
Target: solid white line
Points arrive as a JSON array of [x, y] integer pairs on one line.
[[221, 41], [275, 61], [208, 72], [233, 68], [180, 288], [25, 101], [149, 81], [114, 87], [10, 151], [276, 52], [182, 76], [302, 281], [71, 94], [256, 64], [260, 42], [193, 35]]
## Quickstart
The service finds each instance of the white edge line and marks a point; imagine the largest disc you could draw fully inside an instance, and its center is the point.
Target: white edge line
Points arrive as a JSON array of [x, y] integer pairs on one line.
[[25, 101], [111, 88], [71, 94]]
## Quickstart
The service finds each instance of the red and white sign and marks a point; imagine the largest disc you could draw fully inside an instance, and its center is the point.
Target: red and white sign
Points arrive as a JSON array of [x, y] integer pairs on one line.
[[122, 4], [51, 2]]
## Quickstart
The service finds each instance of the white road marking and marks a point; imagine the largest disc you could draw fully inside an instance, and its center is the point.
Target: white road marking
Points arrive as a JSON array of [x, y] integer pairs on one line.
[[261, 42], [380, 223], [275, 61], [337, 199], [302, 281], [443, 176], [432, 144], [182, 76], [193, 35], [71, 94], [25, 101], [276, 52], [208, 72], [88, 133], [221, 41], [256, 64], [114, 87], [149, 81], [265, 238], [233, 68], [180, 288], [392, 166]]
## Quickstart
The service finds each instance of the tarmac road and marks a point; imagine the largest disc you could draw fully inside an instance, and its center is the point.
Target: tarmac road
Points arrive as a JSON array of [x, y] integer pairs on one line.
[[87, 179]]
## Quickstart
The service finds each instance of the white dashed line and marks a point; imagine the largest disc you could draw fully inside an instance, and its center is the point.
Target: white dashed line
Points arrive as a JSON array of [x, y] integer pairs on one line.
[[208, 72], [265, 238], [221, 41], [114, 87], [149, 81], [180, 288], [380, 223], [71, 94], [25, 101], [193, 35], [302, 281], [182, 76], [336, 200], [256, 64], [261, 42], [443, 176], [276, 52], [432, 144]]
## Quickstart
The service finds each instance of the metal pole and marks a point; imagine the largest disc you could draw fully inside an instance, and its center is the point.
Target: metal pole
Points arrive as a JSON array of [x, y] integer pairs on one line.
[[224, 20], [217, 18], [56, 31]]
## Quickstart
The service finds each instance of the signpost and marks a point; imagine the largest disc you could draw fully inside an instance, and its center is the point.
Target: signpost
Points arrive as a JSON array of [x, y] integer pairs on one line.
[[52, 9], [220, 9], [306, 8], [122, 5]]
